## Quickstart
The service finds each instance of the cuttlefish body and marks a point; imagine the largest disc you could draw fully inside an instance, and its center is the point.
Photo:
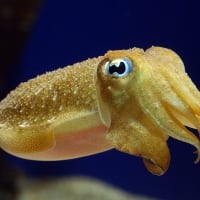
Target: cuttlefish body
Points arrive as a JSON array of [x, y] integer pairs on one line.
[[131, 100]]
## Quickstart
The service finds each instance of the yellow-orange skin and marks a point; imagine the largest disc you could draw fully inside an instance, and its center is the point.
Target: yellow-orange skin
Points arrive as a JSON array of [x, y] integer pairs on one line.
[[80, 110]]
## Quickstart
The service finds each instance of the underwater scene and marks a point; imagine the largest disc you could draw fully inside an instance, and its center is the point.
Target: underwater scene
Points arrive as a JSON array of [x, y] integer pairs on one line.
[[99, 100]]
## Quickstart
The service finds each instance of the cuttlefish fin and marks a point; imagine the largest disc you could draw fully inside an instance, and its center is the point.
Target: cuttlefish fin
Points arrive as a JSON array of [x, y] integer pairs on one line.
[[21, 142], [143, 141], [64, 139]]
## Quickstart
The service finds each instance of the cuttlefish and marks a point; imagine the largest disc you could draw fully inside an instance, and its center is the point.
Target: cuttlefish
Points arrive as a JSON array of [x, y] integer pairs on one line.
[[132, 100]]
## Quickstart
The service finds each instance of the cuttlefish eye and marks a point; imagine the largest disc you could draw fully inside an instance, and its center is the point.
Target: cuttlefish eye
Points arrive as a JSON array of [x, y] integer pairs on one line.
[[118, 67]]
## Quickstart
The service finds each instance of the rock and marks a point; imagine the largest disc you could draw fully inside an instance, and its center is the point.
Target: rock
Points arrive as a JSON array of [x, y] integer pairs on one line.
[[74, 188]]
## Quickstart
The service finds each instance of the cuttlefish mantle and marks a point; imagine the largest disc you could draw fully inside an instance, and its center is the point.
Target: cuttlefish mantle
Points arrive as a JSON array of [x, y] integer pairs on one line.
[[132, 100]]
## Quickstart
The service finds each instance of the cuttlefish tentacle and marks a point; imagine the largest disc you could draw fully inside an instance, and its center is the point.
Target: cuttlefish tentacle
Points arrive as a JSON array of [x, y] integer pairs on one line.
[[174, 72], [172, 99], [132, 100], [133, 135]]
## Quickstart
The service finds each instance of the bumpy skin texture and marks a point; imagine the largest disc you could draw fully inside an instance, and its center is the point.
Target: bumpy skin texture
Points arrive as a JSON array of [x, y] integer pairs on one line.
[[54, 116], [81, 110]]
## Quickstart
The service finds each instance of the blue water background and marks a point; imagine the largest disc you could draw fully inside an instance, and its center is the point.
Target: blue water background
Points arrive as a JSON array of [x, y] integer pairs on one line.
[[70, 31]]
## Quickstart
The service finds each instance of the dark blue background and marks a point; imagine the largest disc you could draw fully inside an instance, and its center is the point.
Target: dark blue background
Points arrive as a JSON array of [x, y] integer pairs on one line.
[[71, 31]]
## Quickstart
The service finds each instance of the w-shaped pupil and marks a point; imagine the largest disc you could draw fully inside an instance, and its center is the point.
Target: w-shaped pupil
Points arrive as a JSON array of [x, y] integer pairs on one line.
[[120, 69]]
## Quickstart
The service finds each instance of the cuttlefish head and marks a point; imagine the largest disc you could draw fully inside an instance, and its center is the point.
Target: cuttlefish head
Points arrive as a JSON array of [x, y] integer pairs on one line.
[[145, 97]]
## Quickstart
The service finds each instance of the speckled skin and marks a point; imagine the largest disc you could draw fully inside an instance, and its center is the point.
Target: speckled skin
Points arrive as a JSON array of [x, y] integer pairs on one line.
[[43, 98], [33, 113], [81, 110]]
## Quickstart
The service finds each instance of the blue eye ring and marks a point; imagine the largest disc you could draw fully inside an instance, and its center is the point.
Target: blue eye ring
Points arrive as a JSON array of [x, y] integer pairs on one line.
[[120, 67]]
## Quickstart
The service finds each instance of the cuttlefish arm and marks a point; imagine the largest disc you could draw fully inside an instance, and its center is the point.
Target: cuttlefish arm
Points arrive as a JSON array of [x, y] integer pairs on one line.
[[130, 100]]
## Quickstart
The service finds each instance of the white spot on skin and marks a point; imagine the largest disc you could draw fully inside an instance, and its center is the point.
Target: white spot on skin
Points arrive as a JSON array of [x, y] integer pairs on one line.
[[109, 88], [3, 125], [90, 86], [75, 79], [61, 108], [24, 124], [35, 120], [88, 101], [38, 91], [51, 120], [32, 106], [75, 91], [54, 97], [50, 87]]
